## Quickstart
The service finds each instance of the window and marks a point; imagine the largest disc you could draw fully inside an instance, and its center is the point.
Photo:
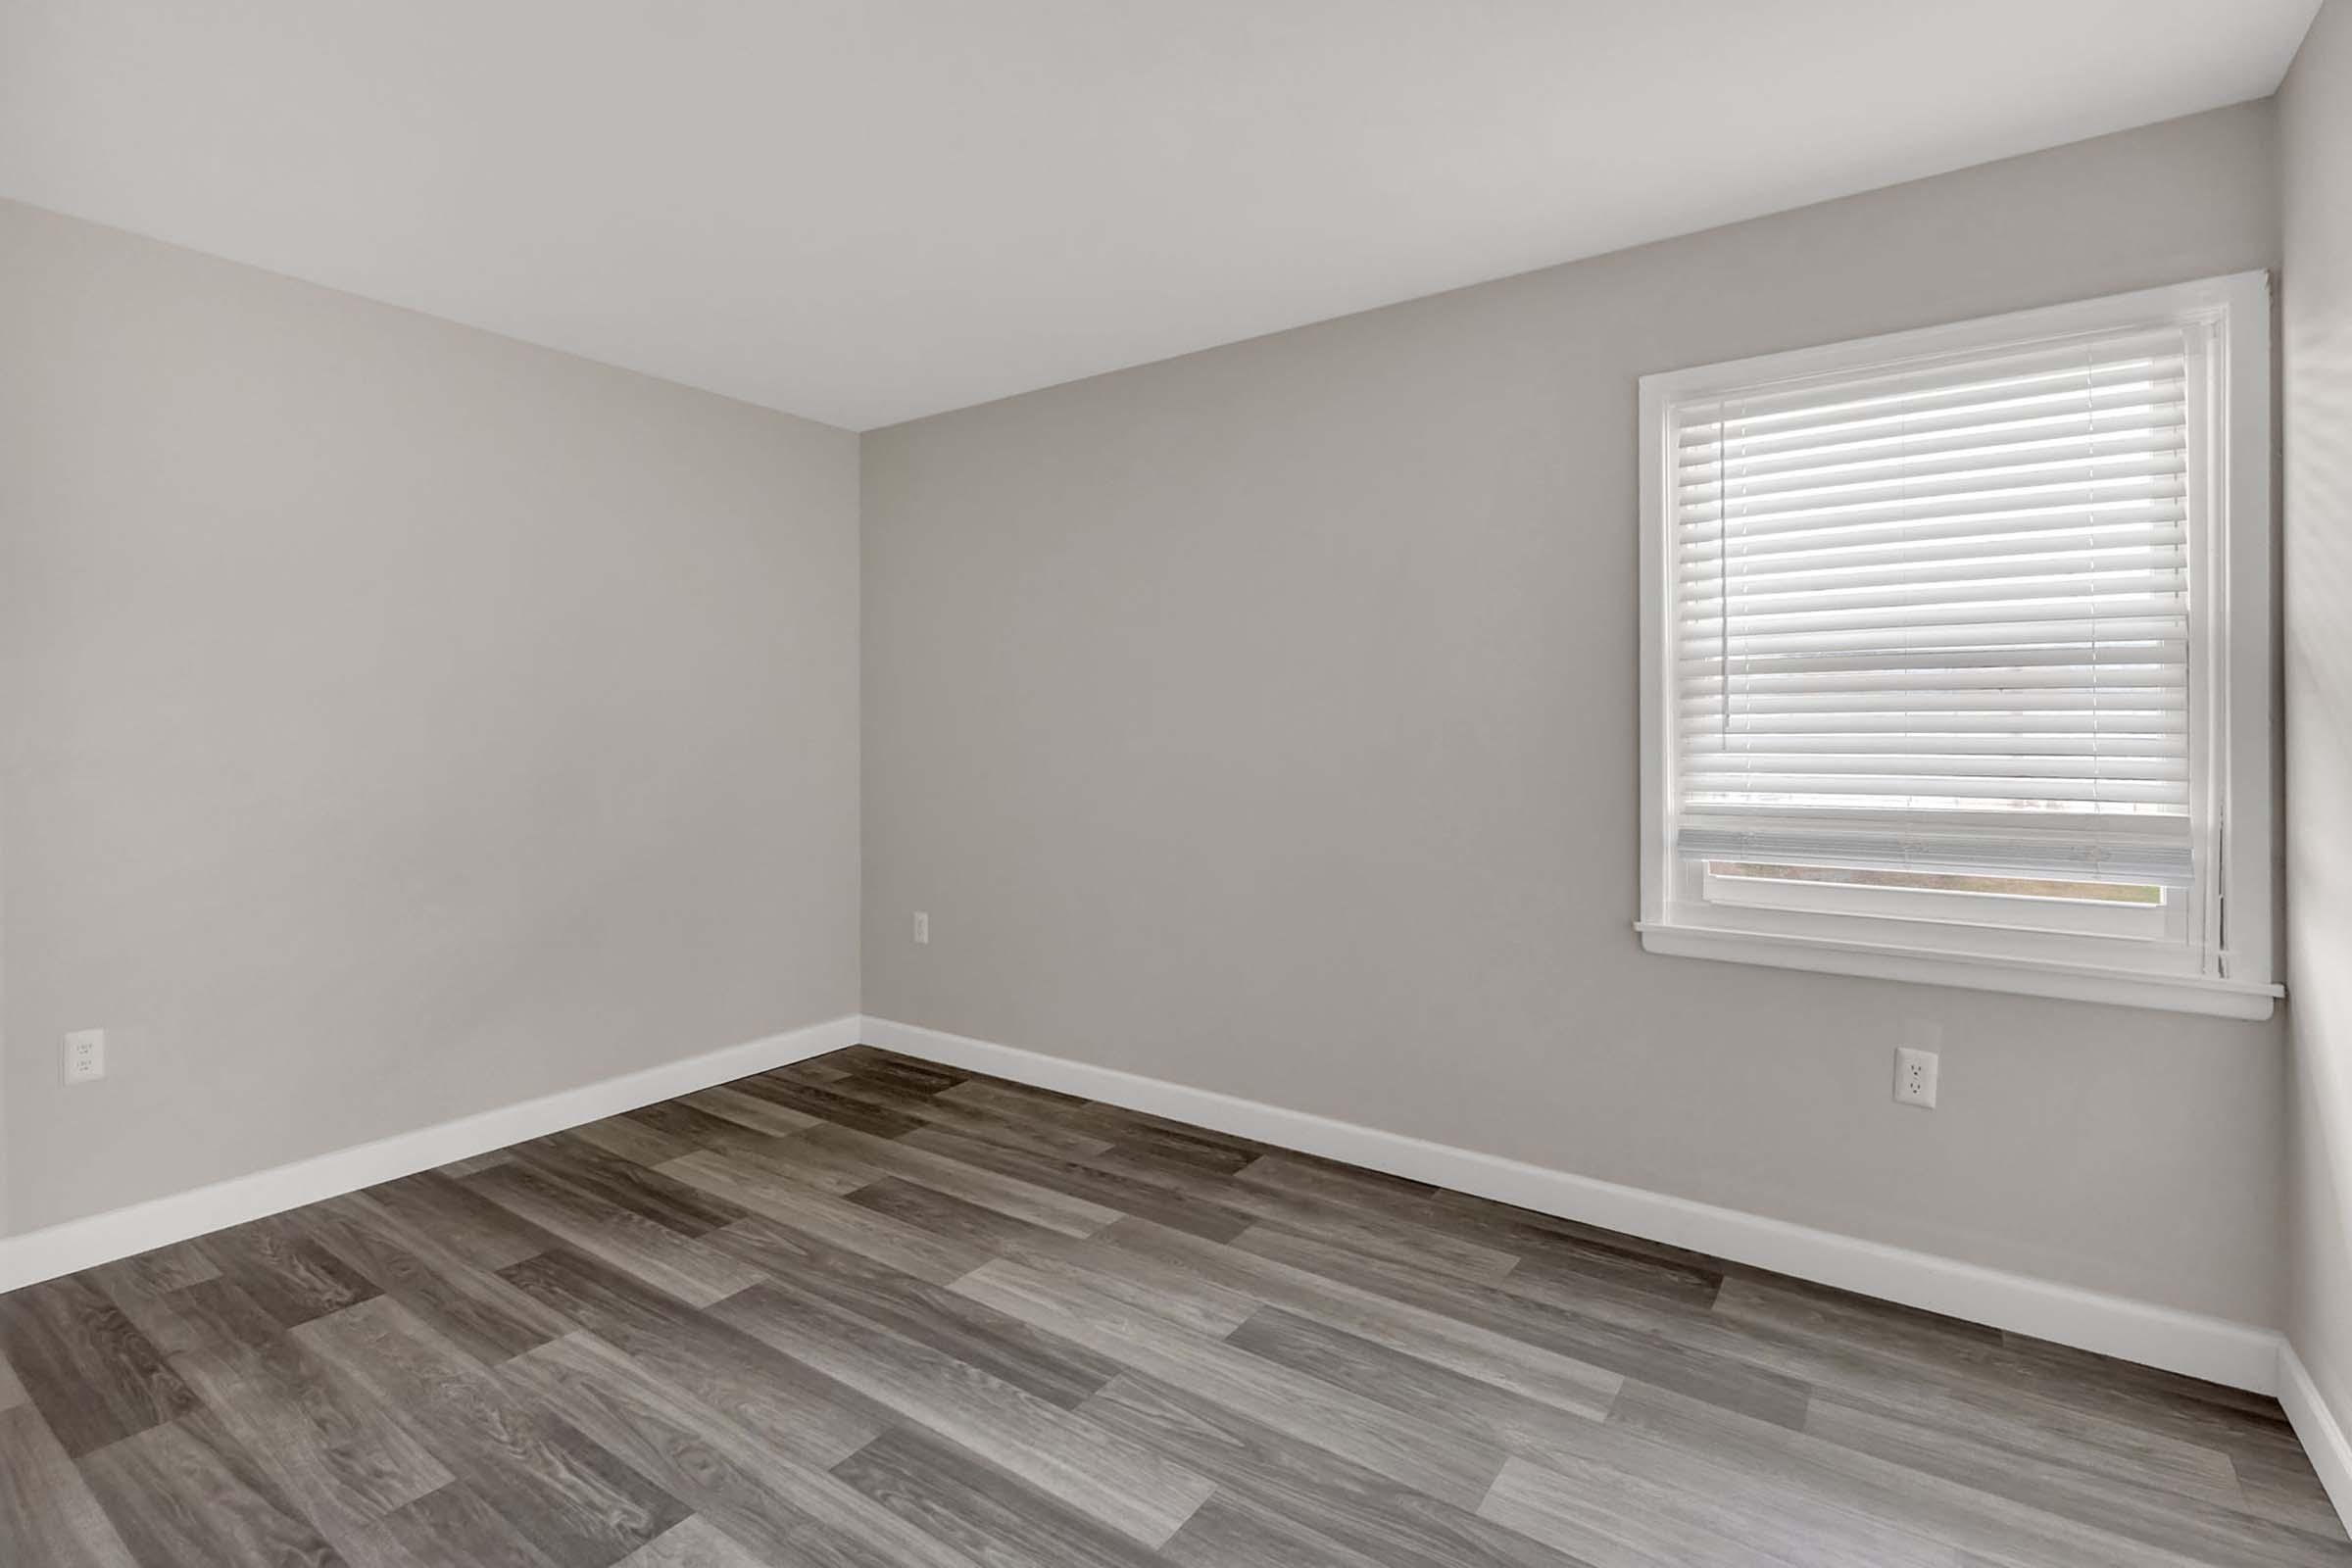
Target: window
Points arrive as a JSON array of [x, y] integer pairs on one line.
[[1955, 656]]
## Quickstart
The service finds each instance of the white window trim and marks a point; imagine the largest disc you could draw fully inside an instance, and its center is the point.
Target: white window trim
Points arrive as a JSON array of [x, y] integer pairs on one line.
[[2230, 659]]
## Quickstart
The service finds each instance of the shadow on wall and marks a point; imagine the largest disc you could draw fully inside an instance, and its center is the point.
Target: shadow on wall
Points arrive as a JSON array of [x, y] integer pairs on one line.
[[2318, 650]]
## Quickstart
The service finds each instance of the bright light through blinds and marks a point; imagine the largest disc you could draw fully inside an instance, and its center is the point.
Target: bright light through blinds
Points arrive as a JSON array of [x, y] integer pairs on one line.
[[1937, 617]]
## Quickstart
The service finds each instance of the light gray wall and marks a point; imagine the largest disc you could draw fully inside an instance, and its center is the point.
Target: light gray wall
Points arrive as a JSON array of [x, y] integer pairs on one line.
[[399, 722], [1265, 720], [2314, 108]]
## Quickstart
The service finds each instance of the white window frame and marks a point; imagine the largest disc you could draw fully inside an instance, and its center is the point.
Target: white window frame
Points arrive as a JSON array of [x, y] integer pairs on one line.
[[2209, 947]]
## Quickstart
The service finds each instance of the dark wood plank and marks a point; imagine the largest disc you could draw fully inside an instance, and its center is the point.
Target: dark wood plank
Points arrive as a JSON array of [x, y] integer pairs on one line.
[[95, 1378], [851, 1227], [622, 1236], [1124, 1194], [688, 1210], [827, 1106], [748, 1112], [284, 1272], [916, 1077], [927, 1208], [1037, 1203]]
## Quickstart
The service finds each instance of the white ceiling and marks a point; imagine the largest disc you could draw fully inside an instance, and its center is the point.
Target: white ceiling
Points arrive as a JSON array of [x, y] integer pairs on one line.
[[866, 210]]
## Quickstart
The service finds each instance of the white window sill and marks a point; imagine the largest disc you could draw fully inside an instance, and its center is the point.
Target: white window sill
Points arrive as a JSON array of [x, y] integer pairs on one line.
[[2222, 999]]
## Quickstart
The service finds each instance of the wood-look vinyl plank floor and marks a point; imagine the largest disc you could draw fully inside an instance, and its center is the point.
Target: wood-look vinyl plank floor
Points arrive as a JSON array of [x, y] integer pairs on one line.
[[872, 1312]]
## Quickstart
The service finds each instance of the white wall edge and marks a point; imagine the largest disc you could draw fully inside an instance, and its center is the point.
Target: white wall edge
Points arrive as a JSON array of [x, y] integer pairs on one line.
[[2241, 1355], [74, 1244], [2316, 1426]]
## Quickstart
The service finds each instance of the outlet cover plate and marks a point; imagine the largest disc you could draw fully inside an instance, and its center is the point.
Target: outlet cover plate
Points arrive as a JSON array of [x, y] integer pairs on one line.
[[1915, 1077], [85, 1055]]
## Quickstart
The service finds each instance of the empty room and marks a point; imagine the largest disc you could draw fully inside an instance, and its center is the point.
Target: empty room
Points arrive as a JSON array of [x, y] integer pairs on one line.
[[1230, 783]]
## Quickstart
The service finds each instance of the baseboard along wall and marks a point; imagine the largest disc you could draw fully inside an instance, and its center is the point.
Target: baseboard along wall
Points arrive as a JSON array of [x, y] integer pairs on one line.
[[2322, 1435], [2241, 1355], [76, 1245]]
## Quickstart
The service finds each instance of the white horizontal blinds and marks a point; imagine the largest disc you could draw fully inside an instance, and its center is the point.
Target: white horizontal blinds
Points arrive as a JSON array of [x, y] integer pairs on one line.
[[1936, 617]]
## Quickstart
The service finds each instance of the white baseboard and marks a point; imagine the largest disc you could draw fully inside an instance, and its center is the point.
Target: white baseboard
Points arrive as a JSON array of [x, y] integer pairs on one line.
[[80, 1244], [2322, 1435], [2239, 1354]]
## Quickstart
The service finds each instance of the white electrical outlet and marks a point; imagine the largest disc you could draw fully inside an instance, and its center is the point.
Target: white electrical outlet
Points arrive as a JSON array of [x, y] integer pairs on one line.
[[1915, 1077], [922, 928], [85, 1055]]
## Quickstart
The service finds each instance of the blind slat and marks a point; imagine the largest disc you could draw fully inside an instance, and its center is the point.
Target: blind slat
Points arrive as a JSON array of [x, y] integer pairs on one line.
[[1938, 614]]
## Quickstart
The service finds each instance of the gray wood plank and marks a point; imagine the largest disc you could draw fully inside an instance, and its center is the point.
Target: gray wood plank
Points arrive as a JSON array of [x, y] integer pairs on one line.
[[1450, 1467], [2141, 1509], [1468, 1348], [1035, 1204], [12, 1387], [209, 1316], [846, 1225], [982, 1512], [1123, 1195], [1617, 1520], [343, 1462], [184, 1496], [665, 1259], [561, 1493], [454, 1526], [461, 1219], [1643, 1350], [1290, 1486], [748, 1112], [784, 1511], [925, 1208], [796, 1410], [472, 1306], [48, 1516], [1114, 1482], [697, 1542], [1054, 1369], [1770, 1454]]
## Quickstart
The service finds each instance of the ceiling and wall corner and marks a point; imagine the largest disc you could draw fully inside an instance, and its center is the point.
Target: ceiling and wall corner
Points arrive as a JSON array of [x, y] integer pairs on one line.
[[862, 211]]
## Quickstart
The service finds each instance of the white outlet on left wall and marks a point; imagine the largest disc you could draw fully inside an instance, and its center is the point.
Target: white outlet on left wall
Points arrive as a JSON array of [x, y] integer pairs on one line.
[[922, 927], [85, 1055]]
